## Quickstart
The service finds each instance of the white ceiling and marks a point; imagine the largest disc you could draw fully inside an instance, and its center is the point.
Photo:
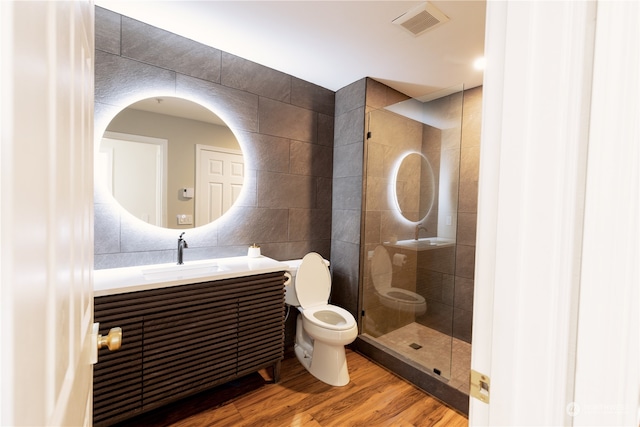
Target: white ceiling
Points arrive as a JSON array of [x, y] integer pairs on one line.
[[331, 43]]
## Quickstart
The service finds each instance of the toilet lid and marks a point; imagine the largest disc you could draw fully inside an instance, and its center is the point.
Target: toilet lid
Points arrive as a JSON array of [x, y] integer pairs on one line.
[[313, 281], [381, 269]]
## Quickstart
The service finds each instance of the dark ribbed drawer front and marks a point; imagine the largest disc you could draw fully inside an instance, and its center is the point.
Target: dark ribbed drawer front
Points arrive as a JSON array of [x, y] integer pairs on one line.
[[260, 327], [181, 340]]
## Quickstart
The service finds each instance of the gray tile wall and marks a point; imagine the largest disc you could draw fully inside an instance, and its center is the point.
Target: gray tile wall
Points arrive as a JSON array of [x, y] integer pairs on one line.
[[467, 214], [285, 126], [347, 194]]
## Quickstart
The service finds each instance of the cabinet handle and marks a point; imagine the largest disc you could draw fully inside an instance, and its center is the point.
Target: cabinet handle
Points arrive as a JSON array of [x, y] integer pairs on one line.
[[113, 340]]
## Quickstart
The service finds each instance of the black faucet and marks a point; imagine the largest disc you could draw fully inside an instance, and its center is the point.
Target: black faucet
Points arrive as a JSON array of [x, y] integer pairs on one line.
[[181, 245]]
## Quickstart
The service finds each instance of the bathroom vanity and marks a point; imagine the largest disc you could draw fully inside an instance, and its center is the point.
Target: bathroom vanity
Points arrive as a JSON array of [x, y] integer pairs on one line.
[[185, 329]]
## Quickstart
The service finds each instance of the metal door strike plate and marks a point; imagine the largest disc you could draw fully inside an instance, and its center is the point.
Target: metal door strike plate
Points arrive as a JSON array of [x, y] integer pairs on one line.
[[479, 386]]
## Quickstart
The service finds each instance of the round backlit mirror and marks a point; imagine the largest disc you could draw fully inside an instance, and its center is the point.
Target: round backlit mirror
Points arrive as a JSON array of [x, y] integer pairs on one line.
[[171, 162], [414, 187]]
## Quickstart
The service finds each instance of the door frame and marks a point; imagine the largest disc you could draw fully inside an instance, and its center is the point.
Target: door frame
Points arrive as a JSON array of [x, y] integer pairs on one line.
[[557, 211]]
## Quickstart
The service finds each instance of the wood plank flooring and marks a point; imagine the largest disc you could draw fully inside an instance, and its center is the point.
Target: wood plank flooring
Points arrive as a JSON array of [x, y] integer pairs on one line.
[[374, 397]]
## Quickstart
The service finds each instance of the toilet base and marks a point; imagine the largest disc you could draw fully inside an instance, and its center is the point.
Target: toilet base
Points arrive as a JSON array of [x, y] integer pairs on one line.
[[326, 362]]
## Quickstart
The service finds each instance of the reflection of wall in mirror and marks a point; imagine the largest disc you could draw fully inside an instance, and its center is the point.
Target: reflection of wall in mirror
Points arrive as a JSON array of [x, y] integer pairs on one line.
[[183, 135]]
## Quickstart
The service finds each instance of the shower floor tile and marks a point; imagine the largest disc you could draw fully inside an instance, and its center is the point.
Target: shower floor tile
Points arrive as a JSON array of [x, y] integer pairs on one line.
[[433, 350]]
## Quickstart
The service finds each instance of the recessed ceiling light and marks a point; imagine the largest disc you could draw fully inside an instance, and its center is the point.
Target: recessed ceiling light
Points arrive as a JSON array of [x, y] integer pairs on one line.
[[479, 63]]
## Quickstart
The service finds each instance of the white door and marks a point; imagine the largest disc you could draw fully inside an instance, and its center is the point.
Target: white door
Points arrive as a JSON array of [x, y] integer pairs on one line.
[[219, 178], [556, 298], [133, 168], [46, 222]]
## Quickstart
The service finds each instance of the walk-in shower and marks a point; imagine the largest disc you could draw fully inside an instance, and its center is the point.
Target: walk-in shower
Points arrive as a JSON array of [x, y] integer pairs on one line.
[[415, 298]]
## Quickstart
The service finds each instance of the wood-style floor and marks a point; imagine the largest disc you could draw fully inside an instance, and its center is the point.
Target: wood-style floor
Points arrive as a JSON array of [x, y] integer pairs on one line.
[[374, 397]]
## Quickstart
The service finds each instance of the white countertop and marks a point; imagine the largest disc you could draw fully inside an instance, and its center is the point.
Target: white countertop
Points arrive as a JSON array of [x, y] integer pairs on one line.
[[142, 277]]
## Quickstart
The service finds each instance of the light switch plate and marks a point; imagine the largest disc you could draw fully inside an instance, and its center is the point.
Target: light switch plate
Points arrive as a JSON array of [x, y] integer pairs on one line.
[[184, 219]]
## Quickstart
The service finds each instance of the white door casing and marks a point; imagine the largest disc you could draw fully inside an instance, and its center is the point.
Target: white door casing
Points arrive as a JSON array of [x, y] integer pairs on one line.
[[219, 179], [556, 286], [46, 223]]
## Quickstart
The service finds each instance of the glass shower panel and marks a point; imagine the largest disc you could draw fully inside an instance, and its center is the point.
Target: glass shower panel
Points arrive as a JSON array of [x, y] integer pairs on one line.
[[411, 209]]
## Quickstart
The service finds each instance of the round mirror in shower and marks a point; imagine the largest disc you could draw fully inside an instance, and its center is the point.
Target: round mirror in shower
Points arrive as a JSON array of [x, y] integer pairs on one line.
[[414, 186]]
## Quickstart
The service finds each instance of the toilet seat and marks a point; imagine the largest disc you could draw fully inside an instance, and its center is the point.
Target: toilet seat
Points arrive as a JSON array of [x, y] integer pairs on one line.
[[313, 281], [313, 287], [397, 298], [330, 317]]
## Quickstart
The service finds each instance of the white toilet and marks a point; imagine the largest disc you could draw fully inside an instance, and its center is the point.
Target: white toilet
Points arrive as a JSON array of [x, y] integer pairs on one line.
[[395, 298], [322, 329]]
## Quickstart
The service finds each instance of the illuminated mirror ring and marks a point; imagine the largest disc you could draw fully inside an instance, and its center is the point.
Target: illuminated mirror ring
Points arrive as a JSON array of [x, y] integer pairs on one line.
[[171, 162], [413, 186]]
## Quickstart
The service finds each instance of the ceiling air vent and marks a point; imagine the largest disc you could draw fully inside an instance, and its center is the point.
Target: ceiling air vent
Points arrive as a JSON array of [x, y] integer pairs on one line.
[[421, 18]]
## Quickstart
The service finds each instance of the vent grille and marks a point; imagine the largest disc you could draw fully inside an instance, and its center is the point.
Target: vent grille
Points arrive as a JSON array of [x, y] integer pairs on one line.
[[421, 19]]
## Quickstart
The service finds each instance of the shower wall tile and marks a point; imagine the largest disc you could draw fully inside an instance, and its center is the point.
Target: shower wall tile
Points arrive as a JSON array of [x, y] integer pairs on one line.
[[465, 261], [462, 324], [464, 293], [466, 229], [250, 77], [468, 197], [469, 165], [380, 95], [472, 118]]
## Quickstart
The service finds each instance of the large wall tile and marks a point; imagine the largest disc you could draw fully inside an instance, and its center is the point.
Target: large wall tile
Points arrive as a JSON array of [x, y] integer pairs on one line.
[[237, 108], [310, 159], [283, 125], [286, 120], [277, 190], [312, 97], [248, 76], [120, 81], [107, 31], [154, 46], [309, 224]]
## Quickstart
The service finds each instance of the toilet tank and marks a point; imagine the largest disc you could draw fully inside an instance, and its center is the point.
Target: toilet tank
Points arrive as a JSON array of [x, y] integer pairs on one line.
[[290, 296]]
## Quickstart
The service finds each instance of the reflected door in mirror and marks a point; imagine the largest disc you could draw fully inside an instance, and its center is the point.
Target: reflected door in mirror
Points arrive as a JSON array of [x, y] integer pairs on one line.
[[132, 168], [219, 178]]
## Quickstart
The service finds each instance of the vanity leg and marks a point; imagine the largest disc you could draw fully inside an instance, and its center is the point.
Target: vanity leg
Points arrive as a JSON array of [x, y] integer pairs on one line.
[[276, 372]]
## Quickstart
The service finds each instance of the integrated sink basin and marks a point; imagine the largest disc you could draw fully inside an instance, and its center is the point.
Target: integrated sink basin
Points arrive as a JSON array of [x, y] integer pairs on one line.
[[175, 271], [423, 244], [113, 281]]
